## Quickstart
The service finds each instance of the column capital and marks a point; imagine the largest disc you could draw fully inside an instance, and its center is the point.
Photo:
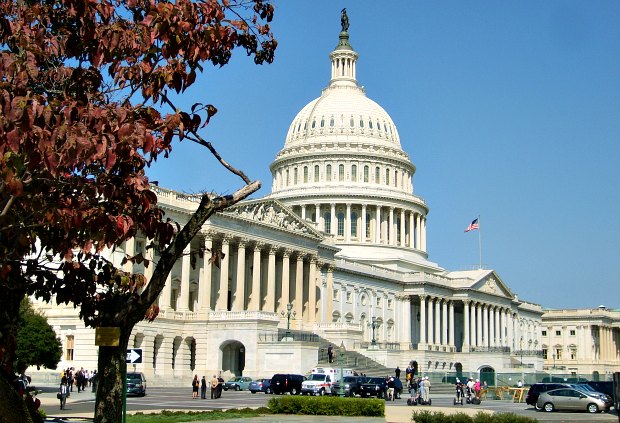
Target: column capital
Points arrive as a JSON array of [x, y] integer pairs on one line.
[[242, 242], [258, 246], [313, 259], [467, 302], [226, 238], [210, 233], [273, 249], [287, 252]]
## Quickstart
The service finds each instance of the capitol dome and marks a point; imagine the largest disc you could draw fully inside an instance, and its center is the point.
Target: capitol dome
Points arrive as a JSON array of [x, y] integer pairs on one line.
[[342, 167]]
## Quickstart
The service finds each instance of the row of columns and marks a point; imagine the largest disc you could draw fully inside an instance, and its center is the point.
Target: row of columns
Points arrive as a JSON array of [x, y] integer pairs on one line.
[[305, 279], [384, 228], [608, 343]]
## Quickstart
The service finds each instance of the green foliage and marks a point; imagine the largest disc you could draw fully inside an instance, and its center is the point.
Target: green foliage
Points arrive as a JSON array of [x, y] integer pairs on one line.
[[480, 417], [37, 343], [167, 416], [327, 406]]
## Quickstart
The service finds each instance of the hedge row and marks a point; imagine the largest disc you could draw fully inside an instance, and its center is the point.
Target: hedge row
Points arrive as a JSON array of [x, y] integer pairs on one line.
[[326, 406], [480, 417]]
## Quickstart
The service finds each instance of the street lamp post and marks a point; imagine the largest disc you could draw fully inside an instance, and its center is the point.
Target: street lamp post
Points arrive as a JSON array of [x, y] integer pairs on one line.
[[521, 348], [288, 313], [553, 355], [342, 361], [373, 325]]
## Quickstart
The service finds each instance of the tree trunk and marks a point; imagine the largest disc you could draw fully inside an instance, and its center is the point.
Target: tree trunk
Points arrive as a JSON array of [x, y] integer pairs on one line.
[[12, 407], [110, 380]]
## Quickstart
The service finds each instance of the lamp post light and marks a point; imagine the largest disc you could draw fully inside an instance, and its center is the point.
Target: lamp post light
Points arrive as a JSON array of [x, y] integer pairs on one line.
[[374, 325], [521, 348], [288, 313], [553, 355], [342, 360]]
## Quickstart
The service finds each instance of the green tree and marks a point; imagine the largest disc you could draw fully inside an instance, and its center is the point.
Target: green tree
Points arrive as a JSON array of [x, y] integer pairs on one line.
[[87, 103], [37, 343]]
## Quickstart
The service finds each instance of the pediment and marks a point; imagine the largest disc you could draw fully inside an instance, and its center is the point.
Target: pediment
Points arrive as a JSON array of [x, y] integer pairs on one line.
[[271, 213], [492, 284]]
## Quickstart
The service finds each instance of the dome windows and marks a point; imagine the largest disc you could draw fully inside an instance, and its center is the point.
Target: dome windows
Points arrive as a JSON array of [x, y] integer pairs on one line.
[[366, 171], [340, 224], [387, 176], [316, 173], [370, 124], [322, 122], [341, 173], [331, 122], [351, 122], [361, 122], [313, 124], [328, 173], [377, 175], [305, 174], [354, 173], [353, 224]]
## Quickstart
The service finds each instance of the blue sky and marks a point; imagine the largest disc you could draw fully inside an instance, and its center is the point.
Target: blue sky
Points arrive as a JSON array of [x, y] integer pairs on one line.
[[509, 110]]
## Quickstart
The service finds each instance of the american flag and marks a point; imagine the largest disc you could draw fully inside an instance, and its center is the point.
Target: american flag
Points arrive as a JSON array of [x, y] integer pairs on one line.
[[473, 225]]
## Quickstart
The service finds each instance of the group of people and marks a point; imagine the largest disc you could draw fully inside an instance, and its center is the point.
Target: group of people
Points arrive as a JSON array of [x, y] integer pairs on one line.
[[216, 384], [80, 378], [419, 388], [470, 390]]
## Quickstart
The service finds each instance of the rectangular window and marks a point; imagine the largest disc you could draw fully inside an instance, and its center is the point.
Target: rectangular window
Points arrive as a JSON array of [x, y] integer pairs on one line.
[[365, 173], [544, 353], [389, 305], [558, 353], [349, 297], [336, 295], [354, 173], [69, 348], [295, 176], [544, 333], [340, 224], [572, 332], [305, 174], [378, 302], [316, 173], [573, 354], [341, 172], [558, 333], [328, 173], [367, 226], [377, 175], [328, 223], [387, 176]]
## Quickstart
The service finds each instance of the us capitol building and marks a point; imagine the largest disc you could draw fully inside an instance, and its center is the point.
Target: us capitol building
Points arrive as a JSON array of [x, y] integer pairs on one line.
[[336, 254]]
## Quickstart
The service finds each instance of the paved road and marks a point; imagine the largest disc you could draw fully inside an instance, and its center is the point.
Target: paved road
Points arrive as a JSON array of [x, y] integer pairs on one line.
[[82, 404]]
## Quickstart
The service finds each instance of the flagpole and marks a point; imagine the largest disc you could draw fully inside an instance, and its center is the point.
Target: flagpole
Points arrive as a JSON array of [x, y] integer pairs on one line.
[[480, 240]]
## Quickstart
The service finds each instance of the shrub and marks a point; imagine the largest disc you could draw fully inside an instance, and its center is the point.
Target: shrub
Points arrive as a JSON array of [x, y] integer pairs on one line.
[[480, 417], [327, 406]]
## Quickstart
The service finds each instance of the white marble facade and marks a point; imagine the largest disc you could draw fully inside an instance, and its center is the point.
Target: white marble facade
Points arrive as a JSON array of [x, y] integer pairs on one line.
[[342, 238]]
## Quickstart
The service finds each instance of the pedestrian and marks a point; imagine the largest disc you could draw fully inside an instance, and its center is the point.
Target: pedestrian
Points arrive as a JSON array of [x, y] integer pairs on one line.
[[71, 379], [79, 379], [390, 391], [397, 372], [195, 385], [330, 354], [519, 384], [427, 388], [477, 388], [203, 388], [214, 383], [94, 380], [63, 392], [408, 373], [220, 386]]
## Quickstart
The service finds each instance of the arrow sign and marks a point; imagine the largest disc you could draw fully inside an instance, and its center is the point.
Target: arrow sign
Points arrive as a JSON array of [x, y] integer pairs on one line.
[[134, 356]]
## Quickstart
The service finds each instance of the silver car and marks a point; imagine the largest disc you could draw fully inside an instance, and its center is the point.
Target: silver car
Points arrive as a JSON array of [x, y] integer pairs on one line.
[[572, 399]]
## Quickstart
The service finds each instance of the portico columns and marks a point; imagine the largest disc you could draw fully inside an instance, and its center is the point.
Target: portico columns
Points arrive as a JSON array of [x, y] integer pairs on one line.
[[444, 318], [164, 297], [185, 269], [330, 292], [239, 299], [498, 329], [423, 319], [466, 312], [347, 224], [299, 286], [378, 225], [334, 222], [423, 234], [271, 280], [485, 326], [492, 326], [411, 231], [362, 230], [417, 232], [403, 240], [222, 300], [311, 315], [317, 217], [451, 323], [405, 332], [391, 228], [204, 289], [431, 331], [254, 303], [438, 339], [478, 324], [286, 279]]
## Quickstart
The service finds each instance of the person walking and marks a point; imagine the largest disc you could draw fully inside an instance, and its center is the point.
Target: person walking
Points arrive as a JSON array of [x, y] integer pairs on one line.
[[427, 388], [195, 385], [330, 354], [397, 372], [63, 392], [203, 388], [214, 383], [220, 386]]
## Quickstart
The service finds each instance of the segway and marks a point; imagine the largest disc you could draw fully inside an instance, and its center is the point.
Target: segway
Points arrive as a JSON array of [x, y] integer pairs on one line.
[[458, 399]]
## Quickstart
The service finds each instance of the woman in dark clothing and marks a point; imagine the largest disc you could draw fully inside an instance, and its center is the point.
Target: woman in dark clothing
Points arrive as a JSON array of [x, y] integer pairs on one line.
[[195, 385]]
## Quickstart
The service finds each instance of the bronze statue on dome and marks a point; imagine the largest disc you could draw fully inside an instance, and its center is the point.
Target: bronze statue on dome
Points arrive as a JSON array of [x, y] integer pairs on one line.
[[344, 20]]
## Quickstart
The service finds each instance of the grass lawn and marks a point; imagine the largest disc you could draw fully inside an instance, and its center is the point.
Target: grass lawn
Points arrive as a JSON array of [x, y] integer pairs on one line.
[[180, 416]]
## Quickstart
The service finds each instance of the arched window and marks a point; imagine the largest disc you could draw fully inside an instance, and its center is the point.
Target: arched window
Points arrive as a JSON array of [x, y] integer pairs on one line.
[[341, 172], [353, 224], [328, 173], [352, 122], [370, 124], [398, 223], [316, 173], [366, 173], [354, 173], [377, 175], [305, 174], [295, 176], [361, 122], [395, 178], [313, 124], [287, 181], [331, 121], [367, 226], [387, 176], [328, 222], [322, 122], [341, 224]]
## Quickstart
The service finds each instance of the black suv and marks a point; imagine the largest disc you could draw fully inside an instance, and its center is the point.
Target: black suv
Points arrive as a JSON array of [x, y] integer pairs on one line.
[[351, 384], [601, 386], [538, 388], [282, 383], [373, 387]]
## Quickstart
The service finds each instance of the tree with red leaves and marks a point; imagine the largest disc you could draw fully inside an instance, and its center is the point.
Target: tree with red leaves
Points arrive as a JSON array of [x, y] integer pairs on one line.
[[87, 103]]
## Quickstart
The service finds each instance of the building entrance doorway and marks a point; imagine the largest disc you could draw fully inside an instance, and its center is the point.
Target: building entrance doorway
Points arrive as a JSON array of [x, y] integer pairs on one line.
[[233, 357], [487, 374]]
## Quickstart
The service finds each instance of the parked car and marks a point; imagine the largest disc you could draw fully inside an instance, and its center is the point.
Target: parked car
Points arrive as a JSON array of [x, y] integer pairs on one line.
[[282, 383], [571, 399], [351, 385], [260, 385], [538, 388], [317, 384], [238, 383], [601, 386], [373, 387], [136, 384], [587, 388]]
